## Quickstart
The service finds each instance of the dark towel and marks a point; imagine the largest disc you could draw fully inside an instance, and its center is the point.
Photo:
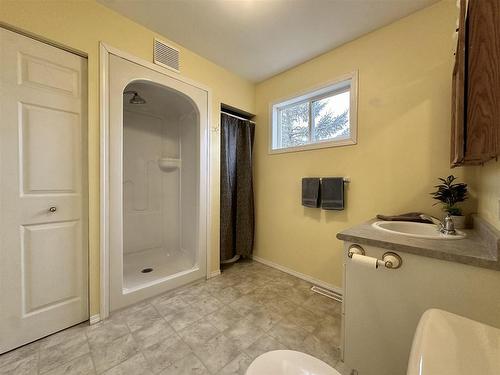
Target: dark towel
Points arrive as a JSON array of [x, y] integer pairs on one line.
[[310, 192], [332, 193], [410, 216]]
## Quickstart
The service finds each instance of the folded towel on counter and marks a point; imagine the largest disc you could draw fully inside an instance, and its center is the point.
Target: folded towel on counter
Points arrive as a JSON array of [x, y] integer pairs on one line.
[[332, 193], [410, 216], [311, 191]]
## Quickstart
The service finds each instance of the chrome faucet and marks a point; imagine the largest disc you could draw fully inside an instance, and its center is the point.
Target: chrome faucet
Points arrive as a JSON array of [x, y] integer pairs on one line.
[[447, 228]]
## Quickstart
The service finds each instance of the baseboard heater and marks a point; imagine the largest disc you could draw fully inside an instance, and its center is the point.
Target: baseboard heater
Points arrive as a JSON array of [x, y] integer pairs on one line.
[[327, 293]]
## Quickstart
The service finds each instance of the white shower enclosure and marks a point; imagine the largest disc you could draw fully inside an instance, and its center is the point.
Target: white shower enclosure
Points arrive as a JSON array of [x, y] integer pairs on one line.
[[155, 182]]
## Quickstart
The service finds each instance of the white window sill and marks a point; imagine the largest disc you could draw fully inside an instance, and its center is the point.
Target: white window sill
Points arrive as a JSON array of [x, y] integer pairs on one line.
[[314, 146]]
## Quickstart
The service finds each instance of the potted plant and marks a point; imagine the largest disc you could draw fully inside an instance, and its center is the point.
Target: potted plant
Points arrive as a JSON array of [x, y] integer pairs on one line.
[[450, 193]]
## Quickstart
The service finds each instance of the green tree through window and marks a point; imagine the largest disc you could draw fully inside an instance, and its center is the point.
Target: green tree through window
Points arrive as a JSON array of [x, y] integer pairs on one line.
[[324, 117], [294, 123]]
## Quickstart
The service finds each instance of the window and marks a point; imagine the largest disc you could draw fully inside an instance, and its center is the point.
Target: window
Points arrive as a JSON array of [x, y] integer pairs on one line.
[[325, 117]]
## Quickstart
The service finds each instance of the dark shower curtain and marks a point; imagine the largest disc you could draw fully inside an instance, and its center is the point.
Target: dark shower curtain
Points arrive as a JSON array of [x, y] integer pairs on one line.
[[236, 188]]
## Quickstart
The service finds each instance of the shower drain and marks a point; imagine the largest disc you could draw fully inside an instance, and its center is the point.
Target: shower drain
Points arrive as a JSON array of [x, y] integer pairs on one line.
[[147, 270]]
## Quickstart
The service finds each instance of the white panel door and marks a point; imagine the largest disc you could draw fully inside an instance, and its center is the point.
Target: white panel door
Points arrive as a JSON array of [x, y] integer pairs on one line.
[[43, 221]]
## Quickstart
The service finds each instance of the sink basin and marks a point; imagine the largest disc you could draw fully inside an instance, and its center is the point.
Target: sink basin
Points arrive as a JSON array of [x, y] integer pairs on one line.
[[449, 344], [418, 230]]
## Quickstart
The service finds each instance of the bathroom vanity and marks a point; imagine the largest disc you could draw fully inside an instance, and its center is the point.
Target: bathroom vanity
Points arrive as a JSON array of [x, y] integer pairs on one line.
[[382, 306]]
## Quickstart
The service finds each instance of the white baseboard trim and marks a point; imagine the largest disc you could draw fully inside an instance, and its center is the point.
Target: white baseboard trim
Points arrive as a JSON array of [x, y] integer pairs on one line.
[[94, 319], [300, 275], [213, 274]]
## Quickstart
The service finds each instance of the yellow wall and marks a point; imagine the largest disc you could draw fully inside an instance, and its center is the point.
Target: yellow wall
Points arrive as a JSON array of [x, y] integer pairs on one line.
[[403, 141], [81, 25], [488, 190]]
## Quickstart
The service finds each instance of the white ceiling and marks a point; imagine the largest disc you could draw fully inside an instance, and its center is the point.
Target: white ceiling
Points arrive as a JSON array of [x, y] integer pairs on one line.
[[260, 38]]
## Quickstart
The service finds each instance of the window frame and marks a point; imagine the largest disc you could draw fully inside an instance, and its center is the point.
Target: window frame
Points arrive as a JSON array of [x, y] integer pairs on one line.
[[340, 85]]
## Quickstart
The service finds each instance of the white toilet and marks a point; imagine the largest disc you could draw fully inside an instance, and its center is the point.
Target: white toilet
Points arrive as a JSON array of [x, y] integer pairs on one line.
[[289, 362], [444, 344]]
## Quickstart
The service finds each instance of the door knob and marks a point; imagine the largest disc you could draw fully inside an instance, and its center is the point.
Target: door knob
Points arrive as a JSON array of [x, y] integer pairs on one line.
[[52, 209]]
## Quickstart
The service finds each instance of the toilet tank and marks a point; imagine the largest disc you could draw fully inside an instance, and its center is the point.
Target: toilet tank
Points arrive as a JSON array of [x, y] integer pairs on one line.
[[449, 344]]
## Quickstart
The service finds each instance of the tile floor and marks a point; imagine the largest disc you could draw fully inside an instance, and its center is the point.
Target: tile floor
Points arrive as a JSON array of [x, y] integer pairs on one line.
[[210, 327]]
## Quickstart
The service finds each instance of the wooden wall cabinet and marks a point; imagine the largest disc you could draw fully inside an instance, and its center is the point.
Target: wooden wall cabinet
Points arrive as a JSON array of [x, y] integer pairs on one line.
[[475, 134]]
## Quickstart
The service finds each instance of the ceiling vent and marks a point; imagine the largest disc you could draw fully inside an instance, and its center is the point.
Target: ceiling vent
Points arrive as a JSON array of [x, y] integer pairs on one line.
[[166, 55]]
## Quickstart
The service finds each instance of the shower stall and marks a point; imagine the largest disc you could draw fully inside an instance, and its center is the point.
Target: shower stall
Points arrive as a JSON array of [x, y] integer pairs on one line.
[[157, 182], [160, 153]]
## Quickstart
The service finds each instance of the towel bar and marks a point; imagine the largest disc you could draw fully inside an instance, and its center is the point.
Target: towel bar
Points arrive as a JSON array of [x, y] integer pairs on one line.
[[346, 179]]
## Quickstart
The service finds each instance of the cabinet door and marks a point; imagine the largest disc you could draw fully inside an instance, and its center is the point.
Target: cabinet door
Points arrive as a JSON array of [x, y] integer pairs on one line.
[[383, 307], [483, 81], [458, 93]]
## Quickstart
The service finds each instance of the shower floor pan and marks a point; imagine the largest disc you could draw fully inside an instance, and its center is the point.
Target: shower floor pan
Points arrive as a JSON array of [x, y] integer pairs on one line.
[[147, 266]]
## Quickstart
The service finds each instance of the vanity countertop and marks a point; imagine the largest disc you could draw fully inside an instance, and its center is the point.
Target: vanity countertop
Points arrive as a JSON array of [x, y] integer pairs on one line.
[[480, 248]]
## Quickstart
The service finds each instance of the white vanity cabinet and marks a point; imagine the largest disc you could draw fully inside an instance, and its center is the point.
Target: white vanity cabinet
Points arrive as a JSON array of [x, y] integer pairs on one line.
[[382, 306]]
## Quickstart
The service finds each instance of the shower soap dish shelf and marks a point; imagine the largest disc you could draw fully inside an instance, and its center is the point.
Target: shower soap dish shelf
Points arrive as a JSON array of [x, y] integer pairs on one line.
[[169, 164]]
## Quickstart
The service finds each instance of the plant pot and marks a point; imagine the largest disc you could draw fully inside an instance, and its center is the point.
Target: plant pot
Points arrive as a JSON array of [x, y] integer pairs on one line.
[[459, 221]]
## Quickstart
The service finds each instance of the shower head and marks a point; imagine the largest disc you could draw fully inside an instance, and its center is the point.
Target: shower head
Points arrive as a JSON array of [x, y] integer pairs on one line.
[[136, 99]]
